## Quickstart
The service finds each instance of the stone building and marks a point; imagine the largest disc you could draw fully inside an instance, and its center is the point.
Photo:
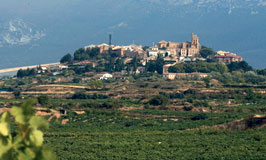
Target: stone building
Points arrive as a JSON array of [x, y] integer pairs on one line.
[[185, 49], [227, 57]]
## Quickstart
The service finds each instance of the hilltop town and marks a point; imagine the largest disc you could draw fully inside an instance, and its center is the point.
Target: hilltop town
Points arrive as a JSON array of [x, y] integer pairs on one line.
[[107, 100], [118, 61]]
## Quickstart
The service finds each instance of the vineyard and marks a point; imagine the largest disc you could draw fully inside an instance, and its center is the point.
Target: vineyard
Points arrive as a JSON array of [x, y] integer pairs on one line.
[[149, 118]]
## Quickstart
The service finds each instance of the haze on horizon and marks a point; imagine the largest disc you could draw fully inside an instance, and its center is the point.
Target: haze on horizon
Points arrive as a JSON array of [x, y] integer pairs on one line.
[[37, 31]]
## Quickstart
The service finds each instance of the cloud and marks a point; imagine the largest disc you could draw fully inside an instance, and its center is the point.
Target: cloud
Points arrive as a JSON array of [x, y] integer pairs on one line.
[[18, 32], [262, 3], [119, 25], [122, 24]]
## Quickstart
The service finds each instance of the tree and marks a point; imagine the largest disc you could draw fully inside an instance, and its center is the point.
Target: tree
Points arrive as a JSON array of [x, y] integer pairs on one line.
[[261, 72], [202, 67], [80, 55], [76, 80], [135, 62], [96, 84], [145, 48], [17, 93], [159, 100], [66, 59], [89, 67], [205, 52], [27, 142], [236, 66], [28, 72], [119, 65], [159, 64], [207, 81], [43, 100]]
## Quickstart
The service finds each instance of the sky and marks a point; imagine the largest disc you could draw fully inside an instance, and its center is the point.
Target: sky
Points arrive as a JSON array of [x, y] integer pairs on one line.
[[38, 31]]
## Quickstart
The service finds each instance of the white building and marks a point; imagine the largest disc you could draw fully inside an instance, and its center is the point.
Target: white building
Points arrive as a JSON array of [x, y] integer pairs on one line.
[[106, 76]]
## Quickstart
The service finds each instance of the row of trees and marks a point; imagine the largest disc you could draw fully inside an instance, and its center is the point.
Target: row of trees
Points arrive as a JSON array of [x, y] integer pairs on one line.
[[81, 55], [202, 67], [238, 77], [156, 65], [205, 52], [239, 66], [28, 72]]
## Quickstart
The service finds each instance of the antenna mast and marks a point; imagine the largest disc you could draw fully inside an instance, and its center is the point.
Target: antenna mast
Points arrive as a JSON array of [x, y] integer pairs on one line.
[[110, 43]]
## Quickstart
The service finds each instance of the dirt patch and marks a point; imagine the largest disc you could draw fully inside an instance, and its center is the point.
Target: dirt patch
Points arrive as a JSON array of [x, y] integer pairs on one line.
[[79, 112], [64, 121], [4, 110], [130, 108]]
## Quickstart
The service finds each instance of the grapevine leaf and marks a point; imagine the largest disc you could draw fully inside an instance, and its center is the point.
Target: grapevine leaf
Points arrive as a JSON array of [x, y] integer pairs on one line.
[[48, 154], [39, 122], [5, 117], [5, 145], [7, 155], [4, 129], [18, 141], [17, 112], [25, 155], [27, 108], [36, 137]]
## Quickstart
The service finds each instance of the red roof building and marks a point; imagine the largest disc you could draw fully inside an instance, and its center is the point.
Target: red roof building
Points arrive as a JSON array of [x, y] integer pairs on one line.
[[228, 58]]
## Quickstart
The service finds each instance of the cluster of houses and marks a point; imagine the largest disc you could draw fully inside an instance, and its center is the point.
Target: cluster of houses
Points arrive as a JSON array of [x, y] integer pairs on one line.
[[227, 57], [129, 51], [172, 52]]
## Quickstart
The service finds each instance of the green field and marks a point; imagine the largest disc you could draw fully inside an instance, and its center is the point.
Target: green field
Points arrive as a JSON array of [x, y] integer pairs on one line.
[[153, 134]]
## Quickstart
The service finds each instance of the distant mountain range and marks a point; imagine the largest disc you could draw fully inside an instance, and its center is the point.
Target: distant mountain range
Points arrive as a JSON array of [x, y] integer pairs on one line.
[[34, 31]]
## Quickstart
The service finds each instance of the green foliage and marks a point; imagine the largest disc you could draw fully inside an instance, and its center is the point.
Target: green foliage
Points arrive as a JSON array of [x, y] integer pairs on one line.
[[202, 67], [88, 67], [96, 84], [156, 65], [207, 81], [28, 72], [27, 143], [43, 100], [159, 100], [17, 93], [239, 77], [261, 72], [242, 66], [83, 95], [67, 59], [205, 52], [173, 95], [76, 80], [201, 116], [82, 54], [145, 48]]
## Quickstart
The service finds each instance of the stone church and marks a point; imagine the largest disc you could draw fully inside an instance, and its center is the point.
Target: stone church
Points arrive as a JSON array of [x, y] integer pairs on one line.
[[185, 49]]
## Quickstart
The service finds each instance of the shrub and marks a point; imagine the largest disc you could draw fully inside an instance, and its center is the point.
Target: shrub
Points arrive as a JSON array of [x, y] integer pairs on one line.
[[43, 100], [158, 100], [188, 108], [201, 116]]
